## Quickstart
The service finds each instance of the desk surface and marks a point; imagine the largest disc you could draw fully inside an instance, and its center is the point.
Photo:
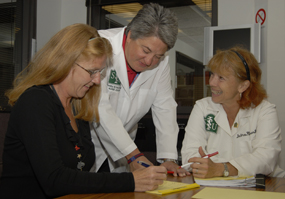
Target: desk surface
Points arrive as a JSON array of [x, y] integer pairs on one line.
[[271, 184]]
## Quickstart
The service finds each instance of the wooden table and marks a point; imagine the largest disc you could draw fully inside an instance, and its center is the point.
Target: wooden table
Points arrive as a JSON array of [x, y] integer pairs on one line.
[[271, 184]]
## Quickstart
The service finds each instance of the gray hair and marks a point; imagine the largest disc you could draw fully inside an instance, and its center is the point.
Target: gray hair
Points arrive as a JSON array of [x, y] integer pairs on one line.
[[154, 20]]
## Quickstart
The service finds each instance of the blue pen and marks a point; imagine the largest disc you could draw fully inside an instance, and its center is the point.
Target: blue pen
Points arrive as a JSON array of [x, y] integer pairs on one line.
[[147, 165], [143, 163]]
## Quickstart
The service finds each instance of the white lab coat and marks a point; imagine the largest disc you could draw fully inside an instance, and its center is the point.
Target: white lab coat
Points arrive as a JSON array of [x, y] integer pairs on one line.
[[253, 146], [122, 107]]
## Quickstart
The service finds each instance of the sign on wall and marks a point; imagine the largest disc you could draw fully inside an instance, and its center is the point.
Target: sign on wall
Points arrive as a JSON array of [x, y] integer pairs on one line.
[[260, 16]]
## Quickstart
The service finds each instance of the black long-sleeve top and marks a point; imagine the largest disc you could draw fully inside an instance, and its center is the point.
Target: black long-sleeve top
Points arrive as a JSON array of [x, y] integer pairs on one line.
[[40, 159]]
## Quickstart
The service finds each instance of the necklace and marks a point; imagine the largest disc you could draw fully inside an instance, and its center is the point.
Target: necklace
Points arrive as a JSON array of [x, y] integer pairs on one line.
[[80, 164], [77, 148]]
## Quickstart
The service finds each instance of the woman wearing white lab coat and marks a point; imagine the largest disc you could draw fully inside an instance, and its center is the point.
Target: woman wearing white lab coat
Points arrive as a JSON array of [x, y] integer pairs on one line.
[[123, 104], [236, 121]]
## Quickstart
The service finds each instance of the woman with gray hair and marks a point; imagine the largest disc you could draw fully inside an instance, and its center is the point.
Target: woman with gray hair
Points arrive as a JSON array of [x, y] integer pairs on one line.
[[138, 80], [154, 20]]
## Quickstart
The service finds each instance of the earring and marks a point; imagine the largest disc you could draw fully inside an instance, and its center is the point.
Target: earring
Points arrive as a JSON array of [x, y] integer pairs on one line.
[[240, 95]]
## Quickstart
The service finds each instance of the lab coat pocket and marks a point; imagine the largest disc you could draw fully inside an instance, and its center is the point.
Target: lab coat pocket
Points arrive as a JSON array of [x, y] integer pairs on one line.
[[145, 101]]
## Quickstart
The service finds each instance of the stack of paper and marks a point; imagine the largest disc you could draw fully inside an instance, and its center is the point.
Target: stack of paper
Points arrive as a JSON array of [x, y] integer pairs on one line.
[[233, 181]]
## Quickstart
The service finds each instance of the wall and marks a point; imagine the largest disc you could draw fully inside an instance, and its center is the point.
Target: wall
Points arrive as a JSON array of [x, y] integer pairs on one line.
[[275, 51], [272, 46], [53, 15]]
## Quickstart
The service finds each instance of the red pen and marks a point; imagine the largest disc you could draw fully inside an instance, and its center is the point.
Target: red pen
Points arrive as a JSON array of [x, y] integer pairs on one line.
[[210, 155], [147, 165], [206, 156]]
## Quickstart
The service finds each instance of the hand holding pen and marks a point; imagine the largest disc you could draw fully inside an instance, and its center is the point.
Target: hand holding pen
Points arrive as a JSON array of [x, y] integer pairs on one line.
[[149, 178], [177, 172], [187, 166], [204, 167]]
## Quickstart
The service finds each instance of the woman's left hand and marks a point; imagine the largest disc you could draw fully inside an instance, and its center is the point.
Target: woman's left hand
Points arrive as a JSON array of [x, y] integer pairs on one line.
[[172, 166], [205, 167]]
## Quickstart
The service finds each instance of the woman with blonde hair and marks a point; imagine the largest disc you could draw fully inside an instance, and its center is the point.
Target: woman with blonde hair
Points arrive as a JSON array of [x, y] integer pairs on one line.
[[48, 150], [236, 121]]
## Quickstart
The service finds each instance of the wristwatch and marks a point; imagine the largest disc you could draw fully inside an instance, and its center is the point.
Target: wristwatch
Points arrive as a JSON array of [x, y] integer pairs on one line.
[[170, 160], [226, 171]]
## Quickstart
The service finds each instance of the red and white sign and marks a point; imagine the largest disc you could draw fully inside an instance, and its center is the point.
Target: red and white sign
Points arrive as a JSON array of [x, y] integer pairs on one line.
[[260, 16]]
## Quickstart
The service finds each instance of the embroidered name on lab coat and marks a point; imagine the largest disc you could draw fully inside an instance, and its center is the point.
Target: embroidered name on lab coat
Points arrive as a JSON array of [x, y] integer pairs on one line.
[[246, 134], [210, 123], [114, 83]]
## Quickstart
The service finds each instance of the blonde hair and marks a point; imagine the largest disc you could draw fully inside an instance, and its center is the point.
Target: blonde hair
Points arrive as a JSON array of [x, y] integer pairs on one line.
[[55, 60], [226, 62]]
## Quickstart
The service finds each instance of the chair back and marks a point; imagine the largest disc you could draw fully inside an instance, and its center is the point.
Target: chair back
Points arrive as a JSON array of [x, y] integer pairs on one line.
[[4, 118]]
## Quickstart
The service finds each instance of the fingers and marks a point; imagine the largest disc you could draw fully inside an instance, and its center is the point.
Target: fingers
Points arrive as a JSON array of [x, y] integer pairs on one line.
[[149, 178], [159, 172], [197, 160], [201, 152], [182, 172], [200, 173], [171, 166], [203, 169]]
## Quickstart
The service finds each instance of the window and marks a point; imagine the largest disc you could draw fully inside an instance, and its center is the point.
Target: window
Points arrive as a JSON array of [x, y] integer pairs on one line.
[[17, 28]]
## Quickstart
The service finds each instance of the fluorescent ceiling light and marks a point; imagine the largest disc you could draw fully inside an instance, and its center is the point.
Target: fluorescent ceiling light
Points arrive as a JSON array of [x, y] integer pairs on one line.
[[123, 8]]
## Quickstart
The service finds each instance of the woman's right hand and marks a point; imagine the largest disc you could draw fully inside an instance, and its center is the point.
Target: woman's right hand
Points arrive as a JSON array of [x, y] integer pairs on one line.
[[147, 179]]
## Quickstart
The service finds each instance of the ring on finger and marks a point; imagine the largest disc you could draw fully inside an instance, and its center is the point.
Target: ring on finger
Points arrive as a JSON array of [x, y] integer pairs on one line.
[[196, 171]]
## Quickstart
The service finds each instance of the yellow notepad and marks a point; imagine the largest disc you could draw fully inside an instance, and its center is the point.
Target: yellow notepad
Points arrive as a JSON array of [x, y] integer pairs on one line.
[[171, 187]]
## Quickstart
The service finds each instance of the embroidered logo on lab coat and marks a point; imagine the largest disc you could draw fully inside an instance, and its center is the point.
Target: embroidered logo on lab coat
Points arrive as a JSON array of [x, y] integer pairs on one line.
[[114, 83], [210, 123]]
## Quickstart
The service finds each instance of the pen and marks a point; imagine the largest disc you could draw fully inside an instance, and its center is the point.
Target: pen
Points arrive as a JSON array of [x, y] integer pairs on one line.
[[147, 165], [206, 156], [143, 164]]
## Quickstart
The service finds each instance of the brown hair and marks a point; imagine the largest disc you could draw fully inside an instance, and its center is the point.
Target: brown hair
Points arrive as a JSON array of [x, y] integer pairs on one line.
[[54, 61], [227, 62]]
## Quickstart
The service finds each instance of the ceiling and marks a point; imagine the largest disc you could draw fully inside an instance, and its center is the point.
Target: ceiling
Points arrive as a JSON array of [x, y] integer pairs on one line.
[[192, 18], [191, 23]]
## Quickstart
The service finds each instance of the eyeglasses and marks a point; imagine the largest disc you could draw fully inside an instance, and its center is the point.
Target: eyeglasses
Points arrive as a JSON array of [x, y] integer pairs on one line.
[[92, 73]]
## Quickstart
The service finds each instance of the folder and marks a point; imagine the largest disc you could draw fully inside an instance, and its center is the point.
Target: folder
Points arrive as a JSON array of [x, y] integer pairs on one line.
[[223, 193]]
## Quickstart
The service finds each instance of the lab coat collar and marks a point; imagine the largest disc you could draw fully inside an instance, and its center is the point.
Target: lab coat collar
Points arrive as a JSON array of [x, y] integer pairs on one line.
[[119, 58], [243, 116], [121, 70], [143, 77], [117, 42], [221, 116]]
